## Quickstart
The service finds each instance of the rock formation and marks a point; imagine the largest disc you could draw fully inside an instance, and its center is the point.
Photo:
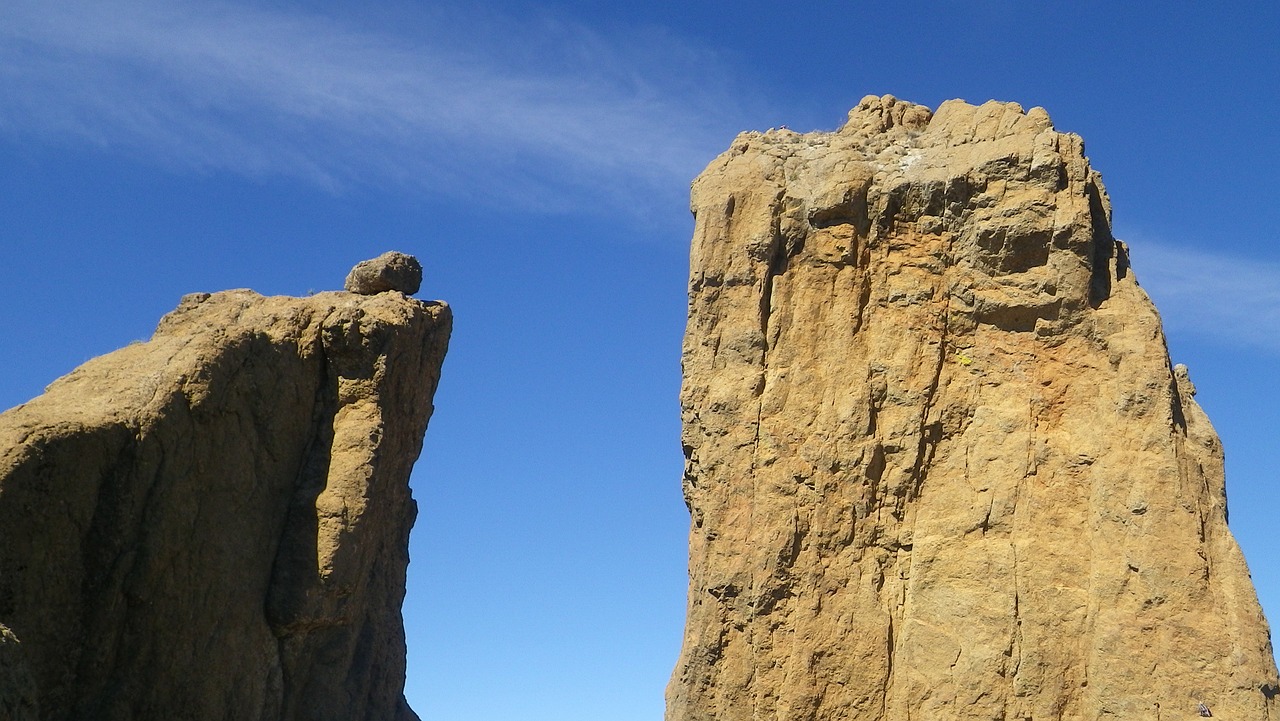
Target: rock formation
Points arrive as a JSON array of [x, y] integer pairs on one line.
[[389, 271], [939, 464], [214, 524]]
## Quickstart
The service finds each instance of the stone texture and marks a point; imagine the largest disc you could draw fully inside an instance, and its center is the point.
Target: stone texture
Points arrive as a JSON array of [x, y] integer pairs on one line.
[[938, 463], [214, 524], [17, 688], [389, 271]]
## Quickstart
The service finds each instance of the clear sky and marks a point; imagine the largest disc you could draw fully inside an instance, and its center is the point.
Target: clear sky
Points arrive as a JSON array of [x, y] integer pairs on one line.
[[536, 157]]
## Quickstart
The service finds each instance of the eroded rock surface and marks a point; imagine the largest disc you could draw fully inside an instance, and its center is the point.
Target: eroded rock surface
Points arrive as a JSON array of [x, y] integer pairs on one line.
[[17, 688], [389, 271], [214, 524], [939, 464]]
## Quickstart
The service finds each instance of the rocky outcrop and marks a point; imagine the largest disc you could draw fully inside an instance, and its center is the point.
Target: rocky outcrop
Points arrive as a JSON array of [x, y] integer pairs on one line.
[[214, 524], [939, 463]]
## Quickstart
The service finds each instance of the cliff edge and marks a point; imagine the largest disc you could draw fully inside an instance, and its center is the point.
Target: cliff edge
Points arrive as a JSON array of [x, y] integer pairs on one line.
[[214, 524], [939, 464]]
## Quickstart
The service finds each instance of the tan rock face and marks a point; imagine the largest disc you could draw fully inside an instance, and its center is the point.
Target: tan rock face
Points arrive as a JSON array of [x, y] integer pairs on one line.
[[939, 465], [214, 524]]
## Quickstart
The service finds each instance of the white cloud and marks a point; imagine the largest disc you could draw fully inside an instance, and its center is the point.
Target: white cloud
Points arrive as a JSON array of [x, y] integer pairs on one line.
[[525, 112], [1228, 299]]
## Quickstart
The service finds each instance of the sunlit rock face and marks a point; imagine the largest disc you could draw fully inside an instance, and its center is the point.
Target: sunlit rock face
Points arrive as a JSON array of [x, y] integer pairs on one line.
[[214, 524], [939, 463]]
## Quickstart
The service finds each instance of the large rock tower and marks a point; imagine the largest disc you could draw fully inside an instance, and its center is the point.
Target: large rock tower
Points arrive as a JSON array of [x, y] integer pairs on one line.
[[939, 463]]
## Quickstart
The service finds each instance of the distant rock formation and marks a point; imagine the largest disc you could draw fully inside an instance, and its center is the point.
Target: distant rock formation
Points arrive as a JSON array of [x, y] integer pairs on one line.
[[939, 463], [214, 524]]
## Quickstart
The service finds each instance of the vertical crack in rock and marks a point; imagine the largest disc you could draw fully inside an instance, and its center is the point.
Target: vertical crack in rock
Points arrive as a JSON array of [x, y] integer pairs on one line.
[[1104, 246], [938, 463], [214, 523]]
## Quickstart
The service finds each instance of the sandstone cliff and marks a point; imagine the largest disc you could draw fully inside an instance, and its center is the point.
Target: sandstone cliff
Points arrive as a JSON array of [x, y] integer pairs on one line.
[[214, 524], [939, 464]]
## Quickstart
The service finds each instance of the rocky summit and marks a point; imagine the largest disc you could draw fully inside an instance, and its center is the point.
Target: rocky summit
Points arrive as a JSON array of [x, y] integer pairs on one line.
[[939, 464], [214, 524]]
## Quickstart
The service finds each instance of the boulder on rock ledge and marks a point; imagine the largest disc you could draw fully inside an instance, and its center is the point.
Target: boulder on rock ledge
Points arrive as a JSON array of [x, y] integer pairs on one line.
[[389, 271]]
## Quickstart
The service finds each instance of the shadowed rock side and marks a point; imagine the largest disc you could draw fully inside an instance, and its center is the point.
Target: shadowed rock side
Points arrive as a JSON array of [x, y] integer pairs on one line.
[[214, 524], [939, 465]]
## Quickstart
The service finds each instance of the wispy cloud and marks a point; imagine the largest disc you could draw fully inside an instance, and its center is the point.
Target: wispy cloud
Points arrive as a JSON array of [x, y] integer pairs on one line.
[[527, 111], [1230, 300]]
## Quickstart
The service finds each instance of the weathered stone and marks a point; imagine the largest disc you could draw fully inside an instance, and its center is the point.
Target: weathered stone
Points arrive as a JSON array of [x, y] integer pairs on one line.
[[214, 524], [939, 464], [389, 271], [18, 700]]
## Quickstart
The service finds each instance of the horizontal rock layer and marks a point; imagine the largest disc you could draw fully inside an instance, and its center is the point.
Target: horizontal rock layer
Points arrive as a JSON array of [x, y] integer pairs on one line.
[[214, 524], [939, 464]]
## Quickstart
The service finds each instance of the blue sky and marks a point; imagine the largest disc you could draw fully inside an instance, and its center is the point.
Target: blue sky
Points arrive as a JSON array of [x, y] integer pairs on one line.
[[537, 157]]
